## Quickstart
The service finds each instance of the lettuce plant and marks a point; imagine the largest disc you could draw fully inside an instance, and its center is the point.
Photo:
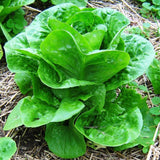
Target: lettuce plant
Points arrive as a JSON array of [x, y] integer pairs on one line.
[[7, 148], [12, 22], [69, 62]]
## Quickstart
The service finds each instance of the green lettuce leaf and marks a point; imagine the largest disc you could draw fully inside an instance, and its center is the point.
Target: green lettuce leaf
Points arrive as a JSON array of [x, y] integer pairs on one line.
[[11, 6], [141, 53], [7, 148], [148, 130], [60, 12], [35, 113], [24, 82], [14, 119], [18, 62], [153, 74], [119, 123], [64, 140], [79, 3]]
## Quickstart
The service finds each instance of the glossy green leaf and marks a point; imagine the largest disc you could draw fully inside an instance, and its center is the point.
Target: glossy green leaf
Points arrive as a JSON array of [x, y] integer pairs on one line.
[[64, 140], [35, 113], [81, 41], [96, 66], [95, 38], [115, 22], [67, 109], [119, 123], [79, 3], [153, 74], [14, 119], [148, 130], [141, 52], [7, 148], [49, 77], [102, 65], [61, 49], [60, 12], [85, 21], [16, 61], [97, 96], [24, 82], [43, 92]]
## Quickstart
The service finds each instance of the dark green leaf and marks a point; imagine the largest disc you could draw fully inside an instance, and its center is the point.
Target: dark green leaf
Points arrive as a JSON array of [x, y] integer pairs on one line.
[[153, 74], [24, 82], [43, 92], [64, 140]]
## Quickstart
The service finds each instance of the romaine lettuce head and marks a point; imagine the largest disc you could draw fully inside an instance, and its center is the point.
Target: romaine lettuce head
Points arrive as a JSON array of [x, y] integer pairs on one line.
[[70, 61]]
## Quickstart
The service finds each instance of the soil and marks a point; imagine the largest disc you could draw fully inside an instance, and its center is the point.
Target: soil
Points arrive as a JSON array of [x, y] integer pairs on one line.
[[30, 141]]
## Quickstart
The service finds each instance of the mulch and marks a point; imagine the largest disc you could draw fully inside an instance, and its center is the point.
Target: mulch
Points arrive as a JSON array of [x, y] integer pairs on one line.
[[30, 141]]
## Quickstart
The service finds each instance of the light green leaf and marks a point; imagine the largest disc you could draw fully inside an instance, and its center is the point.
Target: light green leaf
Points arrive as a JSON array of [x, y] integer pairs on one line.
[[155, 110], [14, 119], [120, 122], [141, 52], [64, 140], [1, 52], [79, 3], [95, 38], [1, 8], [153, 74], [156, 2], [156, 100], [7, 148]]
